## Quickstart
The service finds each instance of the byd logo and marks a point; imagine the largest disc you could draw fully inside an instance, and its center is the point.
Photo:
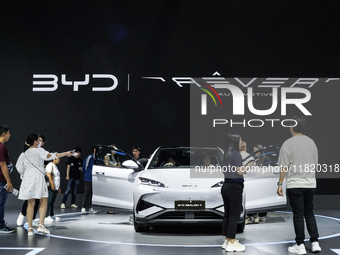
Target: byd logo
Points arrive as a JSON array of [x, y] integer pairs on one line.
[[49, 82]]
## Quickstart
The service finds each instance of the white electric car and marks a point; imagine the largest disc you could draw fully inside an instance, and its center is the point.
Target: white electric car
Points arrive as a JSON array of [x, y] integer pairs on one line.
[[169, 190]]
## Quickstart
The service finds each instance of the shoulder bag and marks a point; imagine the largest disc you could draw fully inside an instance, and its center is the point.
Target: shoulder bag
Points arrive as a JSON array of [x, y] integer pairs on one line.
[[47, 180]]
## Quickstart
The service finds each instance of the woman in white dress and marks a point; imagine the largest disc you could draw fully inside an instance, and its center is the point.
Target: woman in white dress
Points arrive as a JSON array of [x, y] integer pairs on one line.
[[30, 165]]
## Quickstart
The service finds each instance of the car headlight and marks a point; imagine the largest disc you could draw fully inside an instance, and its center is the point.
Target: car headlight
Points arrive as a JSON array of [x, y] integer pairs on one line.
[[218, 185], [150, 182]]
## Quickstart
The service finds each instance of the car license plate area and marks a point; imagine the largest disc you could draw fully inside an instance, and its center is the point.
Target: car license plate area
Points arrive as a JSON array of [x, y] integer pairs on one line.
[[189, 205]]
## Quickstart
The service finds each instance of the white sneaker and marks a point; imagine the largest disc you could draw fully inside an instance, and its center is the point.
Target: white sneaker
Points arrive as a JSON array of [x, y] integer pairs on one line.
[[56, 218], [256, 220], [20, 220], [92, 211], [49, 219], [225, 244], [248, 220], [74, 206], [316, 247], [62, 206], [83, 211], [35, 223], [297, 249], [236, 246], [41, 229]]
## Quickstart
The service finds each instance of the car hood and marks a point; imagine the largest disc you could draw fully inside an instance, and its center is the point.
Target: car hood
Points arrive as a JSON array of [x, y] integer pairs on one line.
[[179, 178]]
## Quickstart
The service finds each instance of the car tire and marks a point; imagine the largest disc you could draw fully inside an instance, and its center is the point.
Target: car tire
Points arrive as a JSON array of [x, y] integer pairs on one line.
[[240, 226], [139, 227]]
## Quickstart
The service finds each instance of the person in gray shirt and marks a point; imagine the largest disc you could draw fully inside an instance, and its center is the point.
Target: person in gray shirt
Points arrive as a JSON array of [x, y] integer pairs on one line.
[[297, 157]]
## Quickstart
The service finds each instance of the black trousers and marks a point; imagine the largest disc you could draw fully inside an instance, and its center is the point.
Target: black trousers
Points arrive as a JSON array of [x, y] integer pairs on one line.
[[87, 198], [52, 195], [301, 202], [232, 199]]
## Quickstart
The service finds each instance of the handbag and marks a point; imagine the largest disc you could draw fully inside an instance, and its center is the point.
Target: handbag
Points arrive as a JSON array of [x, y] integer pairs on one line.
[[47, 180]]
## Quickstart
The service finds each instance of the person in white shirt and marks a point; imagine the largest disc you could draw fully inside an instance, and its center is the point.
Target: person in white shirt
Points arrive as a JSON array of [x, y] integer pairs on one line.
[[53, 174], [30, 166], [22, 214], [244, 154]]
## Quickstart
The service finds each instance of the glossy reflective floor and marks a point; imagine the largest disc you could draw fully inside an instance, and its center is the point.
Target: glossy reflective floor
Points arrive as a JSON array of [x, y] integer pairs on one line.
[[105, 233]]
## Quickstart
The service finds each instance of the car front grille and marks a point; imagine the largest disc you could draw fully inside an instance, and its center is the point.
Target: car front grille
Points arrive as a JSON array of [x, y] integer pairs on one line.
[[198, 215]]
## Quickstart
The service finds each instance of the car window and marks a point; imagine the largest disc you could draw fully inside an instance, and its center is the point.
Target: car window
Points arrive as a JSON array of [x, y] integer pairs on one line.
[[186, 157], [108, 156], [268, 156]]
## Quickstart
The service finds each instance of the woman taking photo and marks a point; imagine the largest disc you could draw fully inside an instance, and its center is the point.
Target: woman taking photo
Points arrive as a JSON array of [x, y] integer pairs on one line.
[[30, 165], [232, 191]]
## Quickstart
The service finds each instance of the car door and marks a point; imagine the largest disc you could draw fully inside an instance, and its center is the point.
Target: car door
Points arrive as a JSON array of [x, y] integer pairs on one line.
[[113, 183], [261, 182]]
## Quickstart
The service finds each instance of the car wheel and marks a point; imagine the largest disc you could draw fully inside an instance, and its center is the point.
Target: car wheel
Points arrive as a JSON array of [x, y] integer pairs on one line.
[[139, 227]]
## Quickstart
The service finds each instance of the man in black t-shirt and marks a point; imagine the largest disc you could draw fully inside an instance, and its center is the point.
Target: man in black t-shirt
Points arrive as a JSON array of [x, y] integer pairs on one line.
[[135, 153], [74, 164]]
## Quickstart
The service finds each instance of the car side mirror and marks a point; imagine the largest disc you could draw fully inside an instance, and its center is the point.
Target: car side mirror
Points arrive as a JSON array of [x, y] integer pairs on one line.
[[130, 164]]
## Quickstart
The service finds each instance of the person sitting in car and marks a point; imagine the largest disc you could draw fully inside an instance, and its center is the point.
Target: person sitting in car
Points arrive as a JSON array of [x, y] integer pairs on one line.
[[111, 159], [207, 161], [156, 162], [172, 162], [261, 158]]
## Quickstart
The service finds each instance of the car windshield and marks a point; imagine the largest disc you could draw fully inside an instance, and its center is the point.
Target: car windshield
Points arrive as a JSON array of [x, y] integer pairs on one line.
[[185, 157]]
